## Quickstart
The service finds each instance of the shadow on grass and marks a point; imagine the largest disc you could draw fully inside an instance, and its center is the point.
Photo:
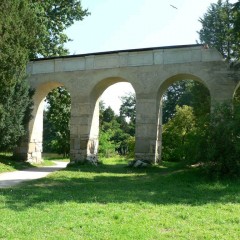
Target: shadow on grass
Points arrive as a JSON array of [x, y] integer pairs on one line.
[[116, 184], [14, 164]]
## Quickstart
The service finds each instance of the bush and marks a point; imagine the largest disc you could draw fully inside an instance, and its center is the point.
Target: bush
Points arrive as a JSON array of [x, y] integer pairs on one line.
[[219, 145], [177, 134]]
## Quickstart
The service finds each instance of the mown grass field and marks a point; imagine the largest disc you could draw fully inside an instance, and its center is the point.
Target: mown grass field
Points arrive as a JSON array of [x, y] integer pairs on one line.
[[112, 201]]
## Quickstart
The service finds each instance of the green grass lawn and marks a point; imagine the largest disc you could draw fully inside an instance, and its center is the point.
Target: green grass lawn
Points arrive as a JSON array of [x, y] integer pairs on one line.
[[7, 164], [112, 201]]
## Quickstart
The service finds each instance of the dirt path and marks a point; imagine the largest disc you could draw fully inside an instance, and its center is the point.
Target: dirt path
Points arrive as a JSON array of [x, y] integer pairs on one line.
[[10, 179]]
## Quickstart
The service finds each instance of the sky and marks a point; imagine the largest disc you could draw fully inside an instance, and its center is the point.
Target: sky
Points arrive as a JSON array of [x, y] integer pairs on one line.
[[131, 24]]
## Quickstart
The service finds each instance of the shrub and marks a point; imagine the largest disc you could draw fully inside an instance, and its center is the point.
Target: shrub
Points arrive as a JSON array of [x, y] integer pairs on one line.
[[219, 145], [177, 134]]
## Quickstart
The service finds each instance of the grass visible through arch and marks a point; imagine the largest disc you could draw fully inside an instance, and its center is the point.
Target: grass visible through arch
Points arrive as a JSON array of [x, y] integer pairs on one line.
[[111, 201]]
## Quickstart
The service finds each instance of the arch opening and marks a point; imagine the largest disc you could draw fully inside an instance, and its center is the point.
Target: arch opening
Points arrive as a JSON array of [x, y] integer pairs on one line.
[[56, 123], [33, 144], [184, 104], [115, 104]]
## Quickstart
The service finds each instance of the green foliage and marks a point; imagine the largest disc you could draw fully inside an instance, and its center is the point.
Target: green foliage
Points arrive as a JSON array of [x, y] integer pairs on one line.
[[56, 132], [218, 146], [28, 28], [185, 92], [54, 17], [128, 107], [106, 146], [186, 104], [236, 12], [18, 31], [108, 115], [177, 134], [114, 133], [131, 147], [15, 113], [218, 29]]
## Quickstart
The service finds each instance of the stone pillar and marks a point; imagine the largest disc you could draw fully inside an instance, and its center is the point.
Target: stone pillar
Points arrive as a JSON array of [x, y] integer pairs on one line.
[[36, 134], [30, 148], [147, 130], [84, 128]]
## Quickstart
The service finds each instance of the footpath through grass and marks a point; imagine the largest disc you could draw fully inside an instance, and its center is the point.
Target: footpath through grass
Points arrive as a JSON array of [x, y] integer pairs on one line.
[[7, 164], [111, 201]]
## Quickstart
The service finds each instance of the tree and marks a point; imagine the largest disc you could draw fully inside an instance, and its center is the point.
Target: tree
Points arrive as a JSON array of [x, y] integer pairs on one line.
[[55, 16], [236, 27], [108, 126], [218, 144], [128, 113], [18, 31], [128, 107], [56, 132], [185, 92], [108, 115], [236, 11], [218, 30], [177, 94], [28, 29], [177, 134], [114, 137]]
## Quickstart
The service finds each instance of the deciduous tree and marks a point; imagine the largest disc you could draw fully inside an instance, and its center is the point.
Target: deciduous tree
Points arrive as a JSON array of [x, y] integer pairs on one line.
[[55, 16], [56, 122]]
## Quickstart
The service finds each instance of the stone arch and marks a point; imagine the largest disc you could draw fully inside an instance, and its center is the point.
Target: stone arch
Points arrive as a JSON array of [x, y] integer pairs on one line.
[[36, 124], [95, 94], [103, 84]]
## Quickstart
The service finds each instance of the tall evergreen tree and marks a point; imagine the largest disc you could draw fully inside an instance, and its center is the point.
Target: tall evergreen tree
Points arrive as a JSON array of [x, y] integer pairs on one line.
[[18, 31], [28, 29]]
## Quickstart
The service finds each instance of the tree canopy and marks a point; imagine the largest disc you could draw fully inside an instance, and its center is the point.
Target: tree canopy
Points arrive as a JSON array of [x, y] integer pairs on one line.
[[28, 29], [18, 31], [54, 17], [220, 29], [56, 133]]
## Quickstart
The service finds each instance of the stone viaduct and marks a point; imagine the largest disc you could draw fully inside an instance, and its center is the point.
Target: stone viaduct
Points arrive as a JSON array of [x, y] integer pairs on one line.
[[150, 71]]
